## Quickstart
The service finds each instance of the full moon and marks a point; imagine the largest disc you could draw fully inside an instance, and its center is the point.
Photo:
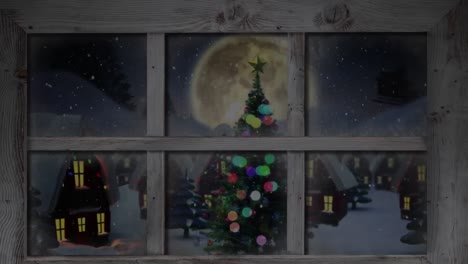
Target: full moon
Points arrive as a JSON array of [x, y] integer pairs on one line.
[[223, 78]]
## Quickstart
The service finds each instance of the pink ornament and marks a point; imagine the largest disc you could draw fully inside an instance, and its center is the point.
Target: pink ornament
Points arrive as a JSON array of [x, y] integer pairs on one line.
[[268, 120], [261, 240], [268, 186], [245, 133], [234, 227]]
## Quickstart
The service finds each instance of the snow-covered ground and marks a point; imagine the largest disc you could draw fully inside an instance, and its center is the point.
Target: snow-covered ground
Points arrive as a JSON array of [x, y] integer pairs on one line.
[[373, 228]]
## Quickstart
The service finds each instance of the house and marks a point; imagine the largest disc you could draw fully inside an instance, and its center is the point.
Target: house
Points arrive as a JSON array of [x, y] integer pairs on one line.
[[142, 196], [81, 207], [412, 189], [327, 182], [124, 170], [360, 167], [386, 170]]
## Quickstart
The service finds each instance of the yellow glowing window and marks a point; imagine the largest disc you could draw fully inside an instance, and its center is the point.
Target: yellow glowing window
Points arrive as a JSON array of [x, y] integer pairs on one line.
[[390, 162], [366, 179], [422, 173], [406, 203], [356, 162], [223, 168], [309, 201], [100, 223], [78, 169], [328, 203], [311, 168], [60, 228], [208, 199], [379, 179], [145, 201], [81, 224]]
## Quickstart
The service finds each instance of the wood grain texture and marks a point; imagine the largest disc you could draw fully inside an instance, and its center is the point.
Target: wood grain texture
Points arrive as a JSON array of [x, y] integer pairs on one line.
[[78, 16], [229, 143], [296, 169], [447, 141], [235, 260], [155, 160], [12, 141], [156, 204]]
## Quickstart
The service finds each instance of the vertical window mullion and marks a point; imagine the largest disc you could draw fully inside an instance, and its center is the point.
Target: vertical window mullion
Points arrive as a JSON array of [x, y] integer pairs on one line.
[[296, 159], [155, 197]]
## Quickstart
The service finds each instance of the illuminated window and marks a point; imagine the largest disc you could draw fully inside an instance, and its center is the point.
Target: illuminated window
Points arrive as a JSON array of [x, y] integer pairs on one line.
[[328, 203], [309, 201], [81, 224], [208, 199], [379, 179], [311, 168], [100, 223], [406, 203], [60, 228], [356, 162], [223, 168], [78, 169], [366, 179], [145, 201], [422, 173], [390, 162]]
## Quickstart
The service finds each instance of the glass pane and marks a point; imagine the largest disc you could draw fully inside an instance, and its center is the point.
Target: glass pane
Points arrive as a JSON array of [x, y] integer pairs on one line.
[[87, 204], [226, 85], [87, 85], [366, 203], [366, 85], [226, 203]]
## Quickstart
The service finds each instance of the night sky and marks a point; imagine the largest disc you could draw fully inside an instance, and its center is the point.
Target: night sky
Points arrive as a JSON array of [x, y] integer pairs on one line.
[[343, 71], [92, 85]]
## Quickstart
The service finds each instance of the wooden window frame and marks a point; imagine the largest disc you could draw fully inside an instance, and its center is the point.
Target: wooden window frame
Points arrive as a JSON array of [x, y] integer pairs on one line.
[[444, 21]]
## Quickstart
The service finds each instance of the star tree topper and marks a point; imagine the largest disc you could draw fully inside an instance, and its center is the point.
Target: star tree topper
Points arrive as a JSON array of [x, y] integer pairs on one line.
[[258, 65]]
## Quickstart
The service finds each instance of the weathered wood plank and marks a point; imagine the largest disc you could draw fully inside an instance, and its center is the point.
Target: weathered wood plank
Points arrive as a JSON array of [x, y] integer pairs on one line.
[[296, 206], [12, 141], [447, 143], [236, 260], [230, 143], [77, 16], [155, 160]]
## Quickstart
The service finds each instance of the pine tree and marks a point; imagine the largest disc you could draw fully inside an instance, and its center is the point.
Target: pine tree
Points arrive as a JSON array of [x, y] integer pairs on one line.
[[248, 214], [186, 209]]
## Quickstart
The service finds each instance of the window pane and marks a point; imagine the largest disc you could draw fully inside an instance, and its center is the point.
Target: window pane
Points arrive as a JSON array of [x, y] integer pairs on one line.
[[226, 203], [86, 204], [213, 89], [366, 85], [366, 203], [87, 85]]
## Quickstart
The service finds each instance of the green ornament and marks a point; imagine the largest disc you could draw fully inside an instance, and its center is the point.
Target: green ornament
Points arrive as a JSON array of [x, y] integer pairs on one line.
[[246, 212], [269, 158], [239, 161]]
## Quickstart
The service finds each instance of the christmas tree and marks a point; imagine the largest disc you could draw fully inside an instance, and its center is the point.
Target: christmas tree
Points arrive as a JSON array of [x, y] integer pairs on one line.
[[186, 209], [248, 214]]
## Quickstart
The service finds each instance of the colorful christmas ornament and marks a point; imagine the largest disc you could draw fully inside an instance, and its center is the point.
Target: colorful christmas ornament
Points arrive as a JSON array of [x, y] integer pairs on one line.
[[234, 227], [275, 186], [239, 161], [232, 216], [265, 109], [268, 186], [246, 212], [241, 194], [269, 158], [268, 120], [245, 133], [255, 196], [263, 170], [256, 123], [261, 240], [251, 172], [249, 119], [232, 178]]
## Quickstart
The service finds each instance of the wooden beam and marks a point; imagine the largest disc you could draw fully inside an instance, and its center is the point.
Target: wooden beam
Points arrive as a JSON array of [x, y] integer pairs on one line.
[[110, 16], [229, 143], [12, 141], [296, 179], [233, 260], [155, 159], [447, 139]]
